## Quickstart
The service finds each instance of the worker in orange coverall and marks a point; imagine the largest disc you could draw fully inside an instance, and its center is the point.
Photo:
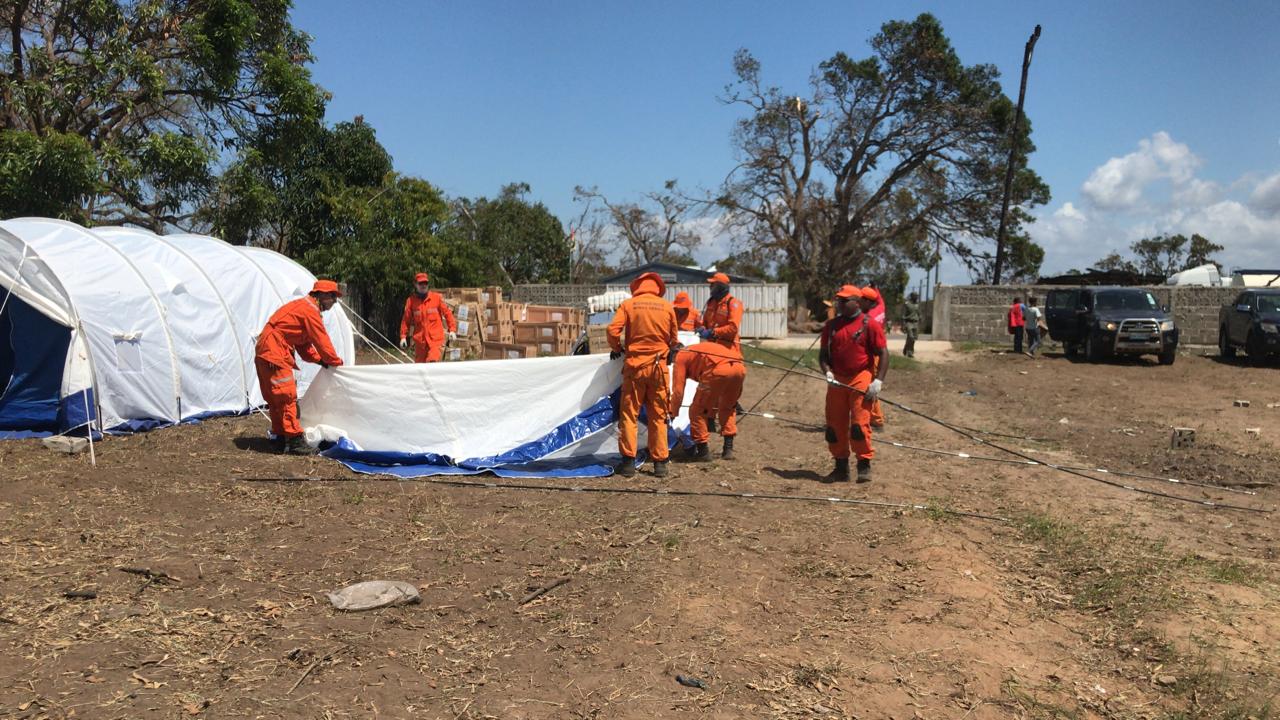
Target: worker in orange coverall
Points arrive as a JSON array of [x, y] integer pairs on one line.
[[872, 304], [686, 316], [721, 319], [850, 343], [297, 325], [644, 329], [719, 372], [429, 319]]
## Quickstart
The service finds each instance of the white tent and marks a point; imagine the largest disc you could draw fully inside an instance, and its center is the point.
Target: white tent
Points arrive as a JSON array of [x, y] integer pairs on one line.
[[123, 329]]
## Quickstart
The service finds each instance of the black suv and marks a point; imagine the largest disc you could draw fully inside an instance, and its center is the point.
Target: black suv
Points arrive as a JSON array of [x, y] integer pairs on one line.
[[1251, 322], [1111, 320]]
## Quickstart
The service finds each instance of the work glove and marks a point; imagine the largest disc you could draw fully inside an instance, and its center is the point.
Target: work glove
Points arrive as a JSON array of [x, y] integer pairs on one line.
[[873, 390], [706, 333], [615, 354], [403, 343], [831, 377], [453, 337]]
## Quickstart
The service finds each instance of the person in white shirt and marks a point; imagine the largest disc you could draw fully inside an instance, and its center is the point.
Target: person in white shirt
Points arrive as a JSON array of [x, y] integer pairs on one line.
[[1034, 325]]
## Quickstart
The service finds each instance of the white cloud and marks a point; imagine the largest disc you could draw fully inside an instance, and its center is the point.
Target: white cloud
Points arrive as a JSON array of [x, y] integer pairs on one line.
[[1119, 183], [1266, 196]]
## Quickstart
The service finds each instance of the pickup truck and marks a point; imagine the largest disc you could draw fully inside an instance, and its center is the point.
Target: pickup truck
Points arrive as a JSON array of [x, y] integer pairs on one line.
[[1251, 322], [1104, 321]]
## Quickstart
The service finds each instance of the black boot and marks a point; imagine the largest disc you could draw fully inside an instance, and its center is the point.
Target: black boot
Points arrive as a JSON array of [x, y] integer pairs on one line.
[[727, 452], [278, 444], [864, 470], [297, 445], [660, 468], [700, 452], [841, 471], [627, 468]]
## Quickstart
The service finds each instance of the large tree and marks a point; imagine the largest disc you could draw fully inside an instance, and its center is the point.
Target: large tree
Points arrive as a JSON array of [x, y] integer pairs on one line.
[[157, 89], [508, 240], [279, 191], [1165, 255], [890, 154], [654, 229]]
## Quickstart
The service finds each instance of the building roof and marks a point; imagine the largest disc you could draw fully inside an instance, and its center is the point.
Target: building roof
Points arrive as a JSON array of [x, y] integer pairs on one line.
[[671, 272]]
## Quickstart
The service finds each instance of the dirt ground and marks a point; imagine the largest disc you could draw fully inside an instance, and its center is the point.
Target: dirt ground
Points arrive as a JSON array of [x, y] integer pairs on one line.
[[1090, 601]]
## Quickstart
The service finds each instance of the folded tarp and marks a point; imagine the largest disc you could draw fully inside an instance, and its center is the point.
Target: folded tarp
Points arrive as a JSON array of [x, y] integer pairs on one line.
[[536, 417]]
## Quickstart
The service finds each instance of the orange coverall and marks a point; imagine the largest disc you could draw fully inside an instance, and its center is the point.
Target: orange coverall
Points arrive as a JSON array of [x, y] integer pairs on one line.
[[724, 318], [850, 344], [690, 321], [649, 325], [427, 317], [297, 325], [719, 372]]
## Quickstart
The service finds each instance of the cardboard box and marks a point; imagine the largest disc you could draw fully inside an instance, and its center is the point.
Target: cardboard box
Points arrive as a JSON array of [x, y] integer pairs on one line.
[[508, 351], [597, 339], [554, 313], [542, 332], [503, 332], [491, 295]]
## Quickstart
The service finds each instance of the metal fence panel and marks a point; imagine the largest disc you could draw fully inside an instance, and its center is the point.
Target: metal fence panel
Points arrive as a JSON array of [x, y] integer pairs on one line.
[[764, 305]]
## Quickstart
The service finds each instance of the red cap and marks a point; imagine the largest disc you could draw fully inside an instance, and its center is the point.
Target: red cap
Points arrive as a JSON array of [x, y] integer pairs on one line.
[[421, 277], [662, 287], [848, 291], [719, 278], [683, 300], [326, 286], [870, 293]]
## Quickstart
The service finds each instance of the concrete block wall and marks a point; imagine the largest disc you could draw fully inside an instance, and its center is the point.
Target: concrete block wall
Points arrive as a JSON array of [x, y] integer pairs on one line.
[[977, 312]]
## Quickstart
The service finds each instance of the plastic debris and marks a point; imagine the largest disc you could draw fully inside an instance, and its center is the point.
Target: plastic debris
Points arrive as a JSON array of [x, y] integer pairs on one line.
[[374, 594], [692, 682]]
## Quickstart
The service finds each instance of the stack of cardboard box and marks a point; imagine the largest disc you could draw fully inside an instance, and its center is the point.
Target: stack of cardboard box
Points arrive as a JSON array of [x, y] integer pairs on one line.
[[490, 328]]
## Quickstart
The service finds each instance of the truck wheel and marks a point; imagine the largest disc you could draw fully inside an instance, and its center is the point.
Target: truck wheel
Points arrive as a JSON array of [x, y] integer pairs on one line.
[[1168, 356], [1070, 349], [1253, 348], [1225, 348], [1092, 352]]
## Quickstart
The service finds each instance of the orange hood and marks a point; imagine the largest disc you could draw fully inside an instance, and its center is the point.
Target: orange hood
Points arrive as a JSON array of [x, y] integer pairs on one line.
[[648, 284]]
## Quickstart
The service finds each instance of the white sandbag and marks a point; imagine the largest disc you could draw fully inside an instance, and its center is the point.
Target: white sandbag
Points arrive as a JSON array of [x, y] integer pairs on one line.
[[374, 594]]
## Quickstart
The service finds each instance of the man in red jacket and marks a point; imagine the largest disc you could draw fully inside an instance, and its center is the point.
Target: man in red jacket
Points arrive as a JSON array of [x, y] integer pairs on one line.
[[429, 319], [295, 326], [1016, 324], [719, 372], [851, 344]]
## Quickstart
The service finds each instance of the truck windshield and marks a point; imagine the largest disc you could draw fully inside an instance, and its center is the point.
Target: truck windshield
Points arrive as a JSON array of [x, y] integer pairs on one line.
[[1126, 300], [1269, 303]]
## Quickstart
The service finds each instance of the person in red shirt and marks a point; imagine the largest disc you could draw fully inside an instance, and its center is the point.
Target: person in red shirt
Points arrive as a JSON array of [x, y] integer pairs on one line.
[[719, 372], [721, 319], [850, 344], [872, 304], [686, 316], [429, 319], [644, 330], [1016, 324], [295, 326]]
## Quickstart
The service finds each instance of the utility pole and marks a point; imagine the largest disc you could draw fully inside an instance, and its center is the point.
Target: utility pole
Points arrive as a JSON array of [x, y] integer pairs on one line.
[[1013, 152]]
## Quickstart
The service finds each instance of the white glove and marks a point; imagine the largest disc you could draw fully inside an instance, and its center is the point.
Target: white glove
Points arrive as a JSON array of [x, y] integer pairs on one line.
[[831, 377], [403, 343], [453, 336], [873, 390]]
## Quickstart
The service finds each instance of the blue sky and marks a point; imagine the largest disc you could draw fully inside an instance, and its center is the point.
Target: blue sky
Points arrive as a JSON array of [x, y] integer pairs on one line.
[[1148, 116]]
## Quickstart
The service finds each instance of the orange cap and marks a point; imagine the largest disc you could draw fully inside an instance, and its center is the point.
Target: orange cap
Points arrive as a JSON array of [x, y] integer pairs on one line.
[[422, 277], [662, 287], [683, 300], [719, 278], [848, 291], [871, 293], [326, 286]]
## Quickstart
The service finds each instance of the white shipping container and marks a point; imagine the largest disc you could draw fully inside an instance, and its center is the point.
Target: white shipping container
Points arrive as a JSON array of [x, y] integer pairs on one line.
[[764, 305]]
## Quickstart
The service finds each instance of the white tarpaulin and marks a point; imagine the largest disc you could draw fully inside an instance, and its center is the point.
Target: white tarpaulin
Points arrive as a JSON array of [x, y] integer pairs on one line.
[[539, 416]]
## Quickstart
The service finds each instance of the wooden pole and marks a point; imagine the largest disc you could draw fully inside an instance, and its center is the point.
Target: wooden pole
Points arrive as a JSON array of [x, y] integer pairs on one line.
[[1013, 151]]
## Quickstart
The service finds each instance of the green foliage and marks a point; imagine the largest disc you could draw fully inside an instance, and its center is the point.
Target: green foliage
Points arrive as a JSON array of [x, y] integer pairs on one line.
[[886, 158], [156, 89], [507, 240], [1164, 255], [46, 176]]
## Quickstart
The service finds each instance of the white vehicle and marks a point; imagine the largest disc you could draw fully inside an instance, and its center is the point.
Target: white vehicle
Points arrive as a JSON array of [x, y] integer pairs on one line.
[[1206, 274]]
